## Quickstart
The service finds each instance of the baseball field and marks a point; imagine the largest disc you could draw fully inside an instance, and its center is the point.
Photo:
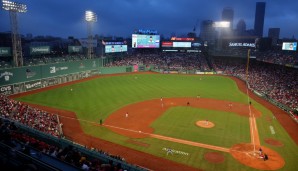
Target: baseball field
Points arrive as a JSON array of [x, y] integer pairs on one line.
[[171, 122]]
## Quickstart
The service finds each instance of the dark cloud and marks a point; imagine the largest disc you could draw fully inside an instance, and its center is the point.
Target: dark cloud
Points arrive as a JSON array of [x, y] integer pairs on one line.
[[121, 17]]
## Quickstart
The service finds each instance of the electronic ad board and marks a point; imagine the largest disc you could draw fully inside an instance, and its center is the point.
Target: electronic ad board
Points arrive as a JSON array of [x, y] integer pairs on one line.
[[289, 46], [115, 48], [145, 41]]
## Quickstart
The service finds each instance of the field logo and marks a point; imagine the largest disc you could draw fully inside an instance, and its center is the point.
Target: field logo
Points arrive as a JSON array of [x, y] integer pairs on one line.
[[6, 75], [175, 151], [271, 129], [52, 70], [30, 73]]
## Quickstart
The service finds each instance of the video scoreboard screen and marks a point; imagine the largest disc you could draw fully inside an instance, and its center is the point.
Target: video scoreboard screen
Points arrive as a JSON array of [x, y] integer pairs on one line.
[[115, 48], [145, 41], [289, 46]]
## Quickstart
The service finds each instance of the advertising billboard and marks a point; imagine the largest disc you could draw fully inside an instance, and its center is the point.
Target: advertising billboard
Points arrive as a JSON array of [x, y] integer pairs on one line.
[[5, 51], [167, 44], [145, 41], [289, 46], [176, 44], [115, 48], [113, 43], [182, 39], [237, 44], [182, 44], [196, 44], [75, 49], [40, 50]]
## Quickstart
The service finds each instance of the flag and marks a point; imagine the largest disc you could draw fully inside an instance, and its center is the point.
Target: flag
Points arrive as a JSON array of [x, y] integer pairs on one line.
[[103, 42]]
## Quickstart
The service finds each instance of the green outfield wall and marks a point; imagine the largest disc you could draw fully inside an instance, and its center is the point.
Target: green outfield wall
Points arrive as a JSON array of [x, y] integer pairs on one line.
[[22, 79]]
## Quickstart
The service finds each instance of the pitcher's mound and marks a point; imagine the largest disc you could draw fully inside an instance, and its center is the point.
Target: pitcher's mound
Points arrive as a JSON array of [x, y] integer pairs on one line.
[[205, 124]]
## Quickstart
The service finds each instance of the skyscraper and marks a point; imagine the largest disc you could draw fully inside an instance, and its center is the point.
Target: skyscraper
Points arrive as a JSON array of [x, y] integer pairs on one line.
[[273, 33], [208, 32], [259, 18], [228, 15], [241, 28]]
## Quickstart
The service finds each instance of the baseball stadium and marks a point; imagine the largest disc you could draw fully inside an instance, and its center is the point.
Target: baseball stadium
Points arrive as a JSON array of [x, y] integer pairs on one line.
[[148, 103]]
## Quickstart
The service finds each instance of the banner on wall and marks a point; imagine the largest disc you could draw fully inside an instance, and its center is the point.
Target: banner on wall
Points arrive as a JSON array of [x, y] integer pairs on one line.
[[135, 68]]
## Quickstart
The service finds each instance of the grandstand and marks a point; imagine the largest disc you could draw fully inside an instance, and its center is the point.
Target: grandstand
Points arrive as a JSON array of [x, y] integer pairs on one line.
[[276, 83], [35, 135]]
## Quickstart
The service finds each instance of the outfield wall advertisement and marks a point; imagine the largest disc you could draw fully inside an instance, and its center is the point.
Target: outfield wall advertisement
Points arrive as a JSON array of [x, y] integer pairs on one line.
[[32, 85], [7, 90]]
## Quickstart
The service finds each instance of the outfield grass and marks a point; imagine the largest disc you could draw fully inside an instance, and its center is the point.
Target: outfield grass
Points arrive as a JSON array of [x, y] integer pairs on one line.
[[180, 123], [105, 95], [100, 97]]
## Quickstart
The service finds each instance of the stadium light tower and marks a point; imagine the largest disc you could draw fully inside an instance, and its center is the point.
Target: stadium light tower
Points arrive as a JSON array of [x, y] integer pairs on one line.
[[14, 8], [221, 26], [91, 18]]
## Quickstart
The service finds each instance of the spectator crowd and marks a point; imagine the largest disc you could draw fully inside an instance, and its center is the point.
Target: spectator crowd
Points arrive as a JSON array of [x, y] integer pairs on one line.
[[171, 61], [278, 57], [274, 81], [29, 116]]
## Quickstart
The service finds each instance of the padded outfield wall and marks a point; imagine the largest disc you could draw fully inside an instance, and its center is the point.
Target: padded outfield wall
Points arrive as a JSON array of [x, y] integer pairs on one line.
[[22, 79]]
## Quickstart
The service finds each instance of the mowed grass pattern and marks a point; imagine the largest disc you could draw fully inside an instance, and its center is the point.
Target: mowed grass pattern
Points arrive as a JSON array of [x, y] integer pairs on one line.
[[181, 121], [98, 98]]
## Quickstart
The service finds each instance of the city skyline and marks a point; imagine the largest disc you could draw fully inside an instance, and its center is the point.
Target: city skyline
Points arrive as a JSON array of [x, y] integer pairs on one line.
[[122, 17]]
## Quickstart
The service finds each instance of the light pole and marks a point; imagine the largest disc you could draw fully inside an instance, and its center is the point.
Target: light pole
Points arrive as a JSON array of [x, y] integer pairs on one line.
[[14, 8], [221, 26], [91, 18]]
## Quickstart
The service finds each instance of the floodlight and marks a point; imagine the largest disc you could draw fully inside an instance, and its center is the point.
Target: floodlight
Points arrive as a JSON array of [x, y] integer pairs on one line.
[[14, 6], [221, 24], [90, 16]]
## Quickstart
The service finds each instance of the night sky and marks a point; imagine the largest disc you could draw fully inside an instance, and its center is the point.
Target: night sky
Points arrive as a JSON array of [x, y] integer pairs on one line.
[[65, 18]]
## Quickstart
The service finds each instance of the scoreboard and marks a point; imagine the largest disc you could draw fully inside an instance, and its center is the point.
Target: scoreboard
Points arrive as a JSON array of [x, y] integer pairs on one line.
[[145, 41]]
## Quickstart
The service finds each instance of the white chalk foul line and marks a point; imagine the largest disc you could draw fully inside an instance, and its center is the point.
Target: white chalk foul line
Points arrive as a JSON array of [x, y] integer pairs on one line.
[[212, 147]]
